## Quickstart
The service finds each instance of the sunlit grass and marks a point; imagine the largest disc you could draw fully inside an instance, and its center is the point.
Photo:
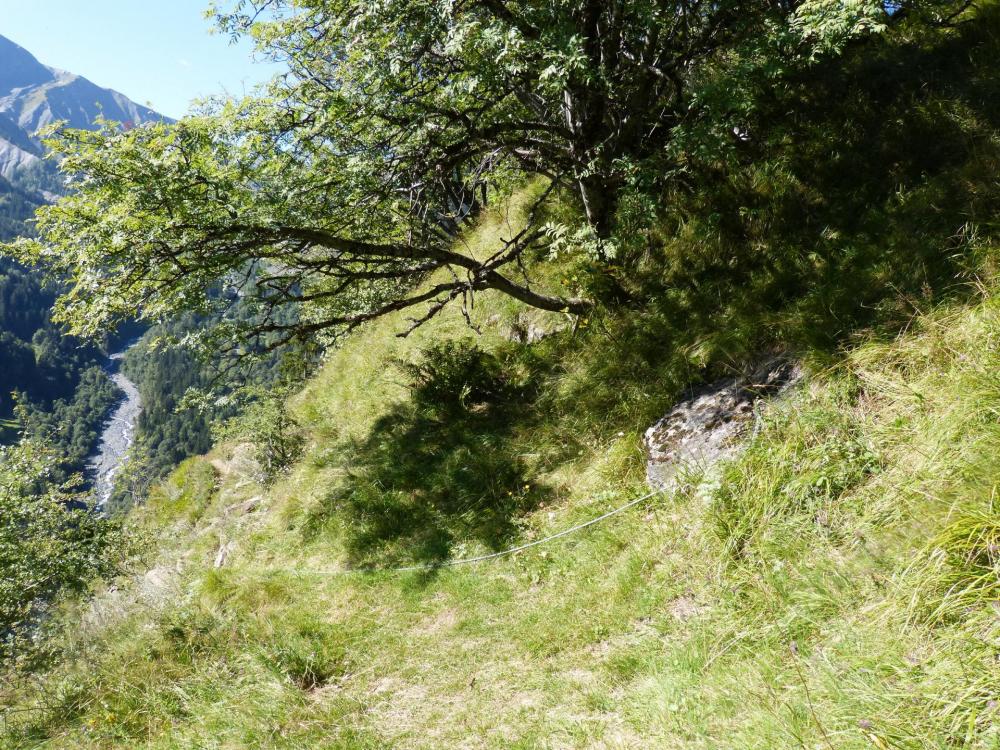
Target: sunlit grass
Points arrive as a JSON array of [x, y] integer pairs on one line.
[[835, 589]]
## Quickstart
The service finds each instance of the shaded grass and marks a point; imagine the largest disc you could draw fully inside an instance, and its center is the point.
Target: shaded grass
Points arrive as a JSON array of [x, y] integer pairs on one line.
[[442, 466]]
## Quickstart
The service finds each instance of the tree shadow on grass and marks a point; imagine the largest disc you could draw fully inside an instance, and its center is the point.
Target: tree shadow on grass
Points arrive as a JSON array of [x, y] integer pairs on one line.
[[442, 467]]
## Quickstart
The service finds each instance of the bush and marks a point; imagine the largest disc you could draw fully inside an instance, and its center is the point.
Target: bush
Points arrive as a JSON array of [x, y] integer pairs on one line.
[[51, 544], [277, 437], [457, 375]]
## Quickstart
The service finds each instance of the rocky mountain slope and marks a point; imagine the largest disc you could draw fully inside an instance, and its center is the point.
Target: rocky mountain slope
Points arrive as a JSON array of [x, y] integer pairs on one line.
[[33, 95]]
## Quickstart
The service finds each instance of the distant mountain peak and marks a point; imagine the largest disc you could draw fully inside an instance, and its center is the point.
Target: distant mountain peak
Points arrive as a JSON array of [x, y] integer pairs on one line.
[[19, 68], [33, 95]]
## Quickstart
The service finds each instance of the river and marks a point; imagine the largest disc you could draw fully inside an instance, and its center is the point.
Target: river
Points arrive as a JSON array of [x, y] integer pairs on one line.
[[117, 436]]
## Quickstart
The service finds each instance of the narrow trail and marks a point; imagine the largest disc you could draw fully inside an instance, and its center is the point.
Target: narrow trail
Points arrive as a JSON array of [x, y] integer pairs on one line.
[[117, 435]]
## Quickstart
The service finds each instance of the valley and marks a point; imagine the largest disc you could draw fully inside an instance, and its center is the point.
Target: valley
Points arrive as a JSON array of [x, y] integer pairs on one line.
[[69, 390], [117, 435]]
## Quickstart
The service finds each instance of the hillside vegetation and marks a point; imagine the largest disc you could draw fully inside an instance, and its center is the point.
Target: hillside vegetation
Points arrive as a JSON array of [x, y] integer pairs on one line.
[[827, 193], [834, 586]]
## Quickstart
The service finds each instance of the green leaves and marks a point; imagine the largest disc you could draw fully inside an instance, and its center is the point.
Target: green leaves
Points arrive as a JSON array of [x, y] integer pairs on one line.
[[344, 187], [50, 544], [828, 25]]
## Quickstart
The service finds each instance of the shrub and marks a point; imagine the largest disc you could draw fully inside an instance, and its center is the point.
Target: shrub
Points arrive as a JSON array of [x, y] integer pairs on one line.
[[51, 543]]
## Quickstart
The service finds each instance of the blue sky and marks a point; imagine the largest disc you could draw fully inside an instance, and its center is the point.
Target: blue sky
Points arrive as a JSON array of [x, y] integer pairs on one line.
[[153, 51]]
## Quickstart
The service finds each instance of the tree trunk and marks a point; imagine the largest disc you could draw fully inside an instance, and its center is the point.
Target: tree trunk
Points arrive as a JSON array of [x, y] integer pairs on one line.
[[573, 305], [599, 203]]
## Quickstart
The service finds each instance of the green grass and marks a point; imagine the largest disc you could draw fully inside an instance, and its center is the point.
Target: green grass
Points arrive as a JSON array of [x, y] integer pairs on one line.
[[835, 587]]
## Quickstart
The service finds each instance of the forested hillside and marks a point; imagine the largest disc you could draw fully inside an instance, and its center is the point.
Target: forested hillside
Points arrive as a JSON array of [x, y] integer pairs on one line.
[[465, 255], [16, 206], [57, 380], [188, 398]]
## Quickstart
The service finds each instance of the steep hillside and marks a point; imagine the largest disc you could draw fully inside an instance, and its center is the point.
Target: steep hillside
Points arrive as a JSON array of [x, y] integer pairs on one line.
[[834, 585], [444, 537]]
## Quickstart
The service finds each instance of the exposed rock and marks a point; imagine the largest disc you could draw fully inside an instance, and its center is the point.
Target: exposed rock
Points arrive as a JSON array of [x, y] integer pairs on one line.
[[244, 508], [523, 330], [705, 428], [530, 333], [223, 554]]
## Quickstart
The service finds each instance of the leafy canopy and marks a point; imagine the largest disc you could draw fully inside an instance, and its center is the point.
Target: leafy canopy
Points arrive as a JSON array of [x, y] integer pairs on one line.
[[347, 181]]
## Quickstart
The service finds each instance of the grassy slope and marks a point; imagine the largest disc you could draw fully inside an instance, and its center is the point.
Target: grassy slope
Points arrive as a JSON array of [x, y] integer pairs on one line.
[[833, 590]]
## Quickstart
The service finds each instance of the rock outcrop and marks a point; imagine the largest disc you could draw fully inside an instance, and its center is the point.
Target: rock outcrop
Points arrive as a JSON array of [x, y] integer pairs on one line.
[[707, 427]]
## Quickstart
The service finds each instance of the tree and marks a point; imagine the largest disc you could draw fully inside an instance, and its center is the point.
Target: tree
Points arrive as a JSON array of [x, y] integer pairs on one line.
[[50, 543], [346, 184]]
